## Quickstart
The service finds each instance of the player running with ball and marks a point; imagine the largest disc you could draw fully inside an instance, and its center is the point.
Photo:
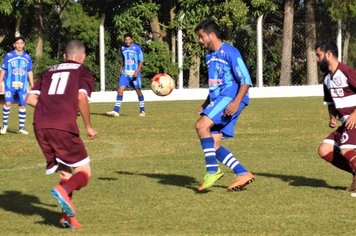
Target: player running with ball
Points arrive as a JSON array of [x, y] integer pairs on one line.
[[229, 81]]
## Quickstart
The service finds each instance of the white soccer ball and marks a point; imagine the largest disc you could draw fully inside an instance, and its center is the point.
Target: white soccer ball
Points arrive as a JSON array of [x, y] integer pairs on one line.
[[162, 84]]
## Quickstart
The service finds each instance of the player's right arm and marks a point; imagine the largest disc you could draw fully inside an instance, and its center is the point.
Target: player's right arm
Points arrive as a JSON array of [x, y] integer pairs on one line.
[[2, 74], [205, 104], [85, 113]]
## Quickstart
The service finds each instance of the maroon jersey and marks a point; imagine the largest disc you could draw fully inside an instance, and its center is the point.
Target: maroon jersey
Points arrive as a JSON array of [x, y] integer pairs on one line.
[[58, 89], [340, 90]]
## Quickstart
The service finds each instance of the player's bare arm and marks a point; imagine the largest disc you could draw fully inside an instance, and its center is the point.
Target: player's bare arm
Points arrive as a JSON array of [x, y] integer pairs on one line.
[[85, 113], [351, 121], [205, 103], [32, 99], [332, 116], [138, 69], [234, 105], [2, 74], [30, 78]]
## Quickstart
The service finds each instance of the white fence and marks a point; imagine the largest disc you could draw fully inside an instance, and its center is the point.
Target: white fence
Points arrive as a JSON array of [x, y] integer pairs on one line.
[[201, 94]]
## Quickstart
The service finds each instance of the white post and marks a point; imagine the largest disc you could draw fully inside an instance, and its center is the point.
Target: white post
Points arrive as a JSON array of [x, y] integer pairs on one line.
[[180, 58], [339, 39], [102, 53], [259, 73]]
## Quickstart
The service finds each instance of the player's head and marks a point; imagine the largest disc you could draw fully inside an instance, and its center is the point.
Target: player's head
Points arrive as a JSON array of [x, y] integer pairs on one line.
[[327, 54], [75, 51], [128, 39], [19, 43], [208, 31]]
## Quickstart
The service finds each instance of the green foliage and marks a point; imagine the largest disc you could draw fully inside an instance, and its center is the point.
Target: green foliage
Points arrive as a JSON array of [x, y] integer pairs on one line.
[[81, 26], [157, 60], [6, 7]]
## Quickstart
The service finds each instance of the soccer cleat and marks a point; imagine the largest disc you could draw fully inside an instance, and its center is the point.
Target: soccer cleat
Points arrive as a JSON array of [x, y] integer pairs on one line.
[[142, 113], [113, 113], [3, 129], [210, 179], [241, 181], [22, 131], [69, 222], [63, 199]]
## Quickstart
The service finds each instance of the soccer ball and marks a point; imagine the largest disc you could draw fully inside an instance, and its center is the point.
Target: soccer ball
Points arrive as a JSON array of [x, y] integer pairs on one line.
[[162, 84]]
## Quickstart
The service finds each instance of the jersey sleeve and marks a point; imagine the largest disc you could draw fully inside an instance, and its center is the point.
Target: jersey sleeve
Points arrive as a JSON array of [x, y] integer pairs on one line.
[[87, 82], [5, 62], [140, 55], [351, 76], [239, 69], [29, 66]]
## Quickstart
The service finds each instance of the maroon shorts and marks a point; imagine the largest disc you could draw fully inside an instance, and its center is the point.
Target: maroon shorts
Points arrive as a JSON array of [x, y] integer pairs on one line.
[[342, 138], [63, 147]]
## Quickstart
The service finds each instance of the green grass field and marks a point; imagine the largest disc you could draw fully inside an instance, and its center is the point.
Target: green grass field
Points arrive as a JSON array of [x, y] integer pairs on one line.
[[146, 170]]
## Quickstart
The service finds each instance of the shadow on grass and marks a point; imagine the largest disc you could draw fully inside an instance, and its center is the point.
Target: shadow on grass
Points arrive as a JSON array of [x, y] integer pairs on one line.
[[28, 205], [298, 181], [168, 179]]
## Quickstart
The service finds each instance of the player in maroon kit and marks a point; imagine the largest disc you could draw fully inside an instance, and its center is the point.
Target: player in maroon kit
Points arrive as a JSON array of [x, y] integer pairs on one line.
[[56, 96], [338, 147]]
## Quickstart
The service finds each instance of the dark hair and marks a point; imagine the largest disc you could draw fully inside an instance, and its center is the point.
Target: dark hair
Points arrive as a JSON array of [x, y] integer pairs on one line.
[[18, 38], [209, 26], [328, 47], [128, 35], [74, 46]]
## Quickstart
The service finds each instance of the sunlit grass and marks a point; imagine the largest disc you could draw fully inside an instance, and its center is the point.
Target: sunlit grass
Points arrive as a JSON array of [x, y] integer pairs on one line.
[[146, 170]]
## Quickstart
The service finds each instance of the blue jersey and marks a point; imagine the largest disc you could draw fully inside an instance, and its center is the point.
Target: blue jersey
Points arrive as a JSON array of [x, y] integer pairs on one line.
[[132, 57], [226, 71], [16, 67]]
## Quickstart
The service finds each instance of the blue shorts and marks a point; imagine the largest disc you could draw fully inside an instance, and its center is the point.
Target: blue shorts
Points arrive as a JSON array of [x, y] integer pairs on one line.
[[129, 81], [222, 123], [10, 94]]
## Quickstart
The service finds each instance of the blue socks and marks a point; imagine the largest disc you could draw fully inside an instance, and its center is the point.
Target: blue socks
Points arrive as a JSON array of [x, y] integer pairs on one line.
[[226, 157], [210, 157], [141, 102], [118, 103]]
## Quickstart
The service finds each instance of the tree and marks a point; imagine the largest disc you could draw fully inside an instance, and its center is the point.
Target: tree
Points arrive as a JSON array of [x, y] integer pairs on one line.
[[310, 41], [285, 78], [344, 10]]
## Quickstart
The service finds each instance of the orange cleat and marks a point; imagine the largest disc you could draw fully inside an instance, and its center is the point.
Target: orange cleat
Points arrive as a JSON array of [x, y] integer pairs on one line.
[[69, 222], [241, 181], [63, 199]]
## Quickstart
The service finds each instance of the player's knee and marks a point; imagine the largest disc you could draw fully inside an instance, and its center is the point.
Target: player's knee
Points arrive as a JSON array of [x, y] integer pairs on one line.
[[324, 149]]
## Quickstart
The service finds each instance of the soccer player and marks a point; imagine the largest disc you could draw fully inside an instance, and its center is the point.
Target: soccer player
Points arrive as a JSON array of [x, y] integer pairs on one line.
[[129, 74], [229, 82], [56, 96], [339, 146], [16, 73]]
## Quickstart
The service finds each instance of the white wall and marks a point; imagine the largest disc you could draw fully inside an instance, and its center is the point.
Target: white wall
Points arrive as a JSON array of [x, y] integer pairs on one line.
[[200, 94]]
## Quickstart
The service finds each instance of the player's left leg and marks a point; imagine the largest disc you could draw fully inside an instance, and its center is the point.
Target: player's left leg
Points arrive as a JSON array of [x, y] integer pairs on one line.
[[22, 111], [141, 100]]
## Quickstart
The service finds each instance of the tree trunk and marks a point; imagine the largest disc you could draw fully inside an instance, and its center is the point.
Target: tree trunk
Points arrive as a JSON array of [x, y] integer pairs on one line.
[[39, 31], [18, 24], [310, 41], [156, 29], [172, 15], [345, 49], [286, 65], [194, 74]]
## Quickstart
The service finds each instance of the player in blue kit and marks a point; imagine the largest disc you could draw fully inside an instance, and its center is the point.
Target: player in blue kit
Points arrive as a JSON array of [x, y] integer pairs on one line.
[[129, 74], [16, 73], [229, 81]]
